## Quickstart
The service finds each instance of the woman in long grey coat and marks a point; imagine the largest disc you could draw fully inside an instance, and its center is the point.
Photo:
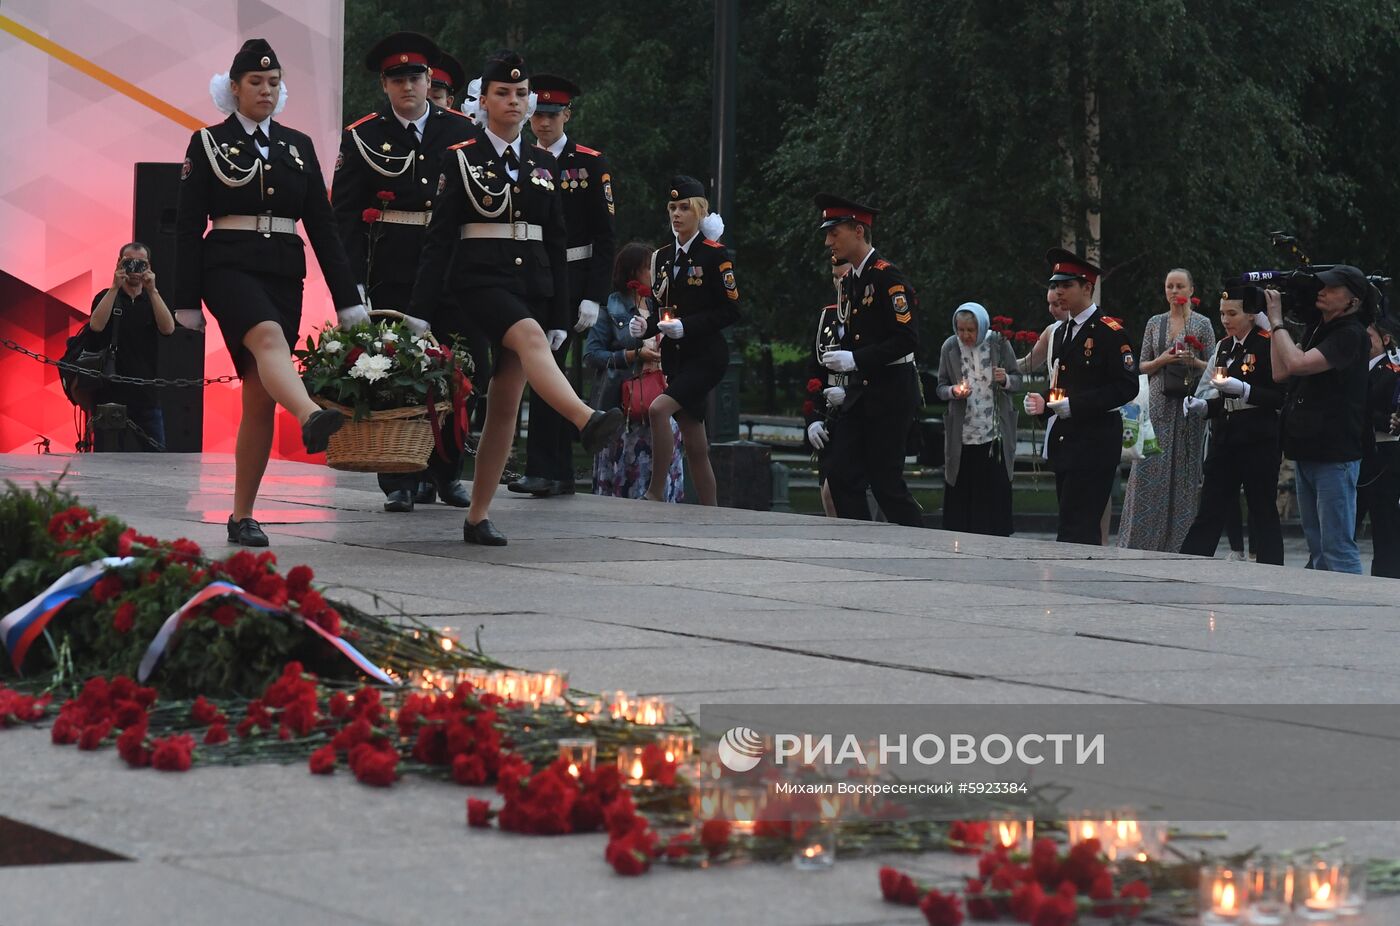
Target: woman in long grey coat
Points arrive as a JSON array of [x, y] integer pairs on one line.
[[977, 374]]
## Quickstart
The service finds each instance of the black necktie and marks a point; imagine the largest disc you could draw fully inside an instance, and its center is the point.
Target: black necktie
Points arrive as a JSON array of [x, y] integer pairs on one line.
[[413, 133], [510, 161], [680, 261], [261, 139]]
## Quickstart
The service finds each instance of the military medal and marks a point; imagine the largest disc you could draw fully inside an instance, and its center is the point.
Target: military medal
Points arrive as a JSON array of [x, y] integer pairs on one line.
[[486, 200], [386, 147]]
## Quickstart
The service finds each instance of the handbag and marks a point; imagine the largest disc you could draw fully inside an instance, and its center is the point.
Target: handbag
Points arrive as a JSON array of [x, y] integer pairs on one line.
[[82, 389], [640, 391], [1179, 379]]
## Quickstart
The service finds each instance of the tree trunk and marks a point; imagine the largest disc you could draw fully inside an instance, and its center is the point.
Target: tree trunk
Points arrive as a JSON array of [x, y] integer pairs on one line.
[[1060, 80], [1093, 182]]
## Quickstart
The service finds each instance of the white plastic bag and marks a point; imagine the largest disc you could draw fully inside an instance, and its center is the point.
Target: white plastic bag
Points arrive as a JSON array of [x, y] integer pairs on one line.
[[1139, 438]]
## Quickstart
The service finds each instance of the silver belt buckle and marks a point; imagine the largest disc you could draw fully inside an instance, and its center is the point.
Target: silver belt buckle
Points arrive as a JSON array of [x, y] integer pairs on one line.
[[264, 224], [837, 379], [520, 231]]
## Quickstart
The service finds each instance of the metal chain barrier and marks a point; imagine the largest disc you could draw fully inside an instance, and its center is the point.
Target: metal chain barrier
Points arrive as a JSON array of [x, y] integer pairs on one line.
[[114, 377]]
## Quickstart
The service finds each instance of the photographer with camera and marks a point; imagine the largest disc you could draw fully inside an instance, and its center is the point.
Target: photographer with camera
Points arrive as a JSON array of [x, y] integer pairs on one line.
[[127, 317], [1324, 413]]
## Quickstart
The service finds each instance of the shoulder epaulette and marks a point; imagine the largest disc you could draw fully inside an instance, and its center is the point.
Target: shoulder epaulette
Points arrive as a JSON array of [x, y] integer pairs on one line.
[[1264, 333], [1392, 367], [713, 244], [586, 150], [882, 264], [1113, 323], [455, 112], [462, 144], [360, 121], [828, 308]]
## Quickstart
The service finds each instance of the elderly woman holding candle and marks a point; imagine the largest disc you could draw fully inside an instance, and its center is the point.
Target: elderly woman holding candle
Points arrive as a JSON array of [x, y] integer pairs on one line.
[[977, 373]]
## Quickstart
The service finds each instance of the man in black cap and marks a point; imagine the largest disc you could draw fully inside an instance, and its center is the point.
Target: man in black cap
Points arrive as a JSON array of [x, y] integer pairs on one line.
[[586, 187], [385, 182], [447, 80], [1324, 414], [1093, 373], [874, 363]]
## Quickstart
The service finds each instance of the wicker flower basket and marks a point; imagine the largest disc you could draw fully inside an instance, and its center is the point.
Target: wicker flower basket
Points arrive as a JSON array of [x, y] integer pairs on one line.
[[396, 440]]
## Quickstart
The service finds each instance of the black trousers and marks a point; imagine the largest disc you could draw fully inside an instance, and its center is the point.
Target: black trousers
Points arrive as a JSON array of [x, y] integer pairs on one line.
[[1082, 492], [867, 447], [1255, 467], [980, 503], [549, 445], [1378, 495]]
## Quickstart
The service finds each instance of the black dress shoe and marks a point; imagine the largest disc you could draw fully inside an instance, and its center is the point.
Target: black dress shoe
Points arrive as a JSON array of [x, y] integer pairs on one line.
[[426, 494], [246, 533], [454, 493], [483, 532], [532, 485], [398, 500], [317, 430], [600, 430], [562, 487]]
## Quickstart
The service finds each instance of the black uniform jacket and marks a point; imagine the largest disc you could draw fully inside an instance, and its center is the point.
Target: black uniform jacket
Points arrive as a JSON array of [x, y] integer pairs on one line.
[[1234, 423], [881, 330], [474, 188], [705, 297], [1098, 373], [378, 155], [289, 185], [586, 186]]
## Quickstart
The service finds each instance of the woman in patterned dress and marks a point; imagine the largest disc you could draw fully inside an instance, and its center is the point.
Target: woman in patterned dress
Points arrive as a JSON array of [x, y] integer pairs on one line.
[[1163, 489]]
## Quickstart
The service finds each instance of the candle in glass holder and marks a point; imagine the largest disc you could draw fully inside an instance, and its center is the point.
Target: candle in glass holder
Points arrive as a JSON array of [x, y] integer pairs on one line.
[[1222, 374], [1320, 891], [630, 764], [553, 684], [962, 389], [1351, 887], [622, 705], [814, 845], [742, 807], [1056, 394], [652, 711], [1014, 835], [706, 799], [1223, 894], [1270, 888], [677, 747], [580, 753]]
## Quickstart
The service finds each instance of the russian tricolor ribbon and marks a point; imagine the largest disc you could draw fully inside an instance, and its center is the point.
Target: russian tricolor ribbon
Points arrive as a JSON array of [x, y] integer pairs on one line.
[[22, 626], [223, 589]]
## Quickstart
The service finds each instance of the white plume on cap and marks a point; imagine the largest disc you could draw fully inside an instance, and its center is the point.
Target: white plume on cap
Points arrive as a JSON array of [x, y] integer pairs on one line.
[[221, 92], [712, 226]]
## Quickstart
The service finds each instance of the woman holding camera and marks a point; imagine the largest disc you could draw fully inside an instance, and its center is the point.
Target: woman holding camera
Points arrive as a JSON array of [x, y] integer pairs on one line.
[[1242, 407], [694, 285], [255, 179], [623, 468], [1160, 501]]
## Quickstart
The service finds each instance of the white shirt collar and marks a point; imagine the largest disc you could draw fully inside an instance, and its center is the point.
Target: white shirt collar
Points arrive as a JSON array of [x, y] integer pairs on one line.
[[865, 260], [500, 144], [1375, 360], [249, 125], [685, 248], [421, 121], [1084, 316], [557, 149]]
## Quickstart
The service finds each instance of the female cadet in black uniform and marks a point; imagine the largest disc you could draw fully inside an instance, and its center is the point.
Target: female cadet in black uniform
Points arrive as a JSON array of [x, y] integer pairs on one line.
[[693, 279], [1243, 447], [255, 178], [496, 244], [1378, 485]]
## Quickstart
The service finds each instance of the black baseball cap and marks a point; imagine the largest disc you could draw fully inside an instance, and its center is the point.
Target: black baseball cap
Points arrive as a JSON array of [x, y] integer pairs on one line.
[[1348, 276]]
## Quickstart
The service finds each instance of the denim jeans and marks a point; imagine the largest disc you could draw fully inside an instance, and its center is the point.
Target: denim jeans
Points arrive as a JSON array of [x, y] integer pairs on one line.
[[1327, 508]]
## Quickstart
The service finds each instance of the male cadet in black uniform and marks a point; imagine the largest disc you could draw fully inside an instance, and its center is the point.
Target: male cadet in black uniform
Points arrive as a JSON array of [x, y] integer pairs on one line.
[[447, 80], [1094, 373], [397, 151], [586, 186], [876, 357]]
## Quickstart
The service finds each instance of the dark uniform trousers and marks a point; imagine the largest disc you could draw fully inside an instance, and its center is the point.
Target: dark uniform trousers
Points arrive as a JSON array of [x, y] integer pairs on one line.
[[867, 447], [1244, 452], [1082, 490], [585, 185], [1378, 495]]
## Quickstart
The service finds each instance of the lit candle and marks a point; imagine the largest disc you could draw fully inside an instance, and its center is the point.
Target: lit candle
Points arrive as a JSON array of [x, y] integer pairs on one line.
[[580, 753], [1015, 835], [1224, 893], [707, 800], [742, 806], [629, 763], [963, 389], [677, 746], [1221, 373], [1056, 394], [1320, 891], [814, 846]]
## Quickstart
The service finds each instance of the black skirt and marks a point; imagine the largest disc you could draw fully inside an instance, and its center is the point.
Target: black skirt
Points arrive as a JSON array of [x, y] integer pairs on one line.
[[493, 311], [981, 501], [693, 372], [239, 300]]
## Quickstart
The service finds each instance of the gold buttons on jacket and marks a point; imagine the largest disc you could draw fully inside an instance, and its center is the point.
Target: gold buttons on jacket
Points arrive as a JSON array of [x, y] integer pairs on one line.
[[518, 262], [425, 180], [517, 189], [422, 157], [270, 191]]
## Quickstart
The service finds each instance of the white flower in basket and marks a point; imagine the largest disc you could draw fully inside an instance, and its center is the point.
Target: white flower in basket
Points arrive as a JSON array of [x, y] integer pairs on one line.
[[331, 347], [388, 336], [372, 367]]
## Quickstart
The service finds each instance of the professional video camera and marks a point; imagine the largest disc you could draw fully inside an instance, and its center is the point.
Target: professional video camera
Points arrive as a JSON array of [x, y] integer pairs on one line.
[[1299, 287]]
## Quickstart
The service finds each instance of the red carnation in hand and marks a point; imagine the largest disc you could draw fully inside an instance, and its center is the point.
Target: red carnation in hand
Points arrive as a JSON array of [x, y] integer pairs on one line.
[[639, 288], [814, 385], [384, 196], [370, 216], [941, 909], [1195, 300], [322, 761], [478, 813], [124, 618], [173, 753], [808, 408], [1194, 343], [898, 887]]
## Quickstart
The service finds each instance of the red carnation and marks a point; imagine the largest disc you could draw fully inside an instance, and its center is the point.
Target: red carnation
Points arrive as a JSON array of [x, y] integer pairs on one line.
[[204, 713], [714, 836], [808, 408], [384, 196], [468, 770], [323, 760], [639, 287], [95, 735], [941, 909], [1045, 861], [1179, 300], [979, 905], [679, 846], [299, 581], [355, 354], [124, 618], [131, 746], [218, 733], [225, 615], [340, 704], [478, 813], [173, 753], [632, 853], [814, 385], [107, 588], [1057, 910], [370, 216], [968, 837], [1195, 300], [1134, 896], [1101, 893], [898, 887], [377, 768], [1026, 900]]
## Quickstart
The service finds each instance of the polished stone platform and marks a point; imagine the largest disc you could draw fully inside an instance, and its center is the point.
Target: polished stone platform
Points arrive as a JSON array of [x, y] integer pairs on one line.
[[703, 605]]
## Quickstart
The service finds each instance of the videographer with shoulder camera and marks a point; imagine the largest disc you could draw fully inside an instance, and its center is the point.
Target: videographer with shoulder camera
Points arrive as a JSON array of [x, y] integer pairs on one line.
[[1324, 414], [127, 316]]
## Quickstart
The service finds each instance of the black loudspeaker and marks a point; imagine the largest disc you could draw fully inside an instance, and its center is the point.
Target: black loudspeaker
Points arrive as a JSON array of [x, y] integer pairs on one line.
[[181, 356]]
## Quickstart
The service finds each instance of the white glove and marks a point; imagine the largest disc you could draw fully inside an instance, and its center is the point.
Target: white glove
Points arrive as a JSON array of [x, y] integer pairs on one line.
[[817, 434], [355, 315], [842, 361], [672, 328], [835, 395], [190, 318], [587, 315], [1261, 320], [1059, 408], [1193, 407], [416, 325], [637, 326], [1034, 403], [556, 336], [1234, 388]]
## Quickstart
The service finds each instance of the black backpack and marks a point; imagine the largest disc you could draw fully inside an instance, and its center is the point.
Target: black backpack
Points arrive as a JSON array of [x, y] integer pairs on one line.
[[81, 351]]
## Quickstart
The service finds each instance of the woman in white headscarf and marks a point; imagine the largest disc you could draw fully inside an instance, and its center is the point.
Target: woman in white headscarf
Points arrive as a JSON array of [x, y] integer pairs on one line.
[[976, 375]]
